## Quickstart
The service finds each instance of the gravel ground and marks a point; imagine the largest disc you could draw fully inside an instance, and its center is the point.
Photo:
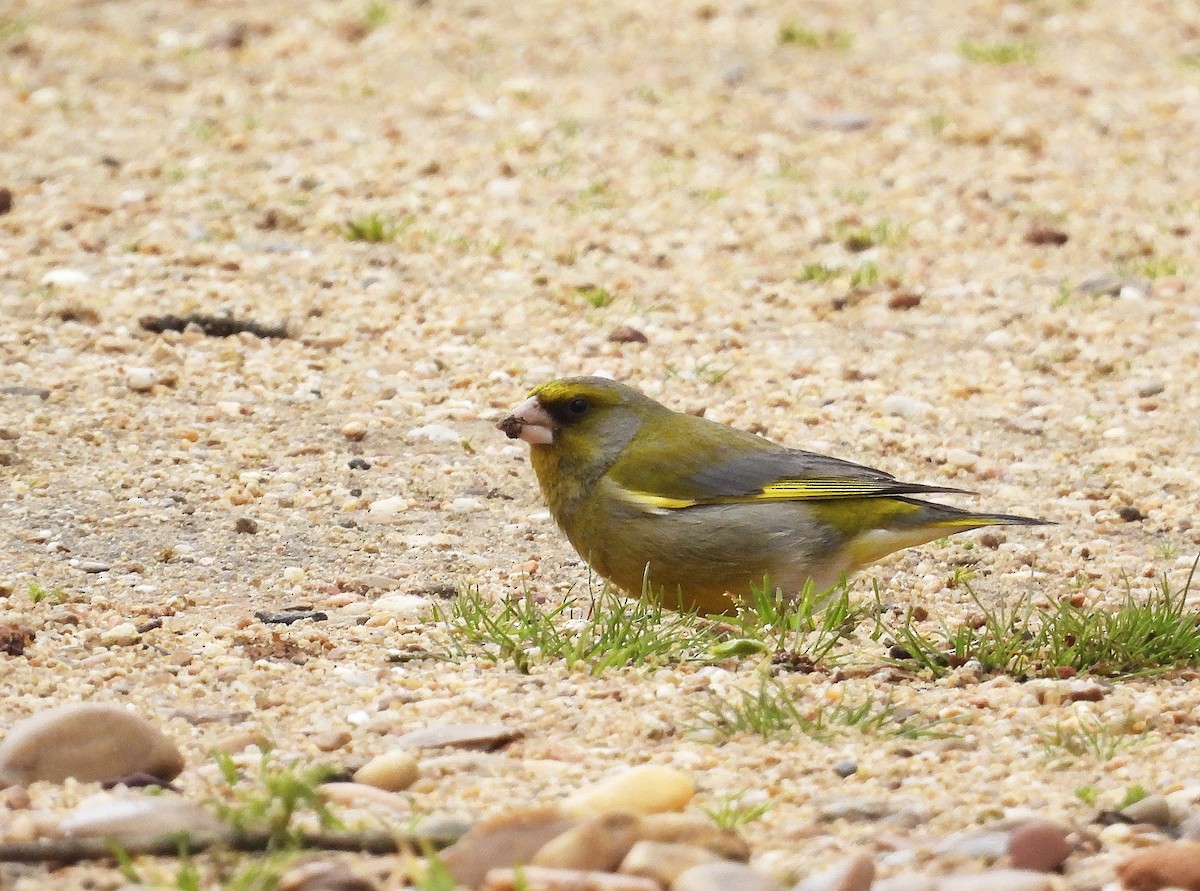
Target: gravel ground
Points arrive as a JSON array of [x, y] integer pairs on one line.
[[713, 176]]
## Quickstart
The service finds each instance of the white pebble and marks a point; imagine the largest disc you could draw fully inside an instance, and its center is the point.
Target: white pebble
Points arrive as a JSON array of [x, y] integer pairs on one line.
[[435, 433], [961, 458], [141, 379], [904, 406], [998, 339], [120, 635], [387, 507], [401, 606], [293, 574], [464, 505], [64, 278]]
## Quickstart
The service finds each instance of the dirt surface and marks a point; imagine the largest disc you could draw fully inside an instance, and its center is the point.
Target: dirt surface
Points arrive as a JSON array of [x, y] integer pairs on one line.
[[713, 176]]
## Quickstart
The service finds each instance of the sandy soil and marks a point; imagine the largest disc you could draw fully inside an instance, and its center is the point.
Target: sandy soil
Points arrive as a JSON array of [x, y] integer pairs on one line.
[[722, 186]]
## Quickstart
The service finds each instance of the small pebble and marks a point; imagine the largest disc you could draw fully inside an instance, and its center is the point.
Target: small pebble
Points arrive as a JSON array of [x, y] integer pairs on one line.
[[847, 767], [245, 526], [121, 635], [323, 875], [331, 740], [906, 882], [723, 876], [394, 771], [141, 379], [1038, 845], [904, 406], [435, 433], [363, 795], [599, 843], [853, 809], [404, 607], [646, 789], [64, 278], [663, 861], [627, 334], [541, 878], [128, 817], [1152, 809], [388, 507], [854, 874], [997, 880], [506, 840], [355, 431], [485, 737], [1149, 387], [1189, 827], [94, 566]]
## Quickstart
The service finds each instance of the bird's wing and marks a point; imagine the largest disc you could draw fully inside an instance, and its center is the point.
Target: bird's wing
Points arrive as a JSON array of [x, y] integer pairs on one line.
[[726, 472]]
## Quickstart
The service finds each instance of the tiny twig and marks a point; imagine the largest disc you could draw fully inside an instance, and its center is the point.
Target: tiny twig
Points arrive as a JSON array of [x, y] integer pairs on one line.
[[73, 850]]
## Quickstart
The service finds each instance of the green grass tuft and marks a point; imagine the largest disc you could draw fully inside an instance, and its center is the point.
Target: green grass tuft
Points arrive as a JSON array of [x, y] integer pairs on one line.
[[599, 297], [801, 632], [604, 632], [1089, 738], [731, 812], [373, 228], [793, 33], [999, 52], [275, 799], [1140, 637], [772, 713]]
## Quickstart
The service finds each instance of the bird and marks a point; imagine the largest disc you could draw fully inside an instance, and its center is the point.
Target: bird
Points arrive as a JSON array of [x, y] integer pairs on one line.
[[692, 513]]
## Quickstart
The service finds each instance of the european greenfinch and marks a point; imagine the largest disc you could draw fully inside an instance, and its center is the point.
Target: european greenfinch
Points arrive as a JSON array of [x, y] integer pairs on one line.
[[694, 513]]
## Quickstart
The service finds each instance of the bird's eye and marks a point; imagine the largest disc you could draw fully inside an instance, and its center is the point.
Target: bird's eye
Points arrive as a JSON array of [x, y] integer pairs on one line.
[[578, 407]]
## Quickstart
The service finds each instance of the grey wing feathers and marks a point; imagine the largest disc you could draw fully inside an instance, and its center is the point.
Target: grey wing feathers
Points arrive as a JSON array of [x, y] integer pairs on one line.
[[747, 474]]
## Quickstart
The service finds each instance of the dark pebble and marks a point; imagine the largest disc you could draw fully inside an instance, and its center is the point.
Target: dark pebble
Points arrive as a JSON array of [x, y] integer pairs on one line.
[[287, 618], [359, 464]]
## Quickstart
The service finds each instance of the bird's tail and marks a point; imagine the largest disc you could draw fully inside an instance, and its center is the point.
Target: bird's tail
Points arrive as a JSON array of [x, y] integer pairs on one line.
[[920, 522]]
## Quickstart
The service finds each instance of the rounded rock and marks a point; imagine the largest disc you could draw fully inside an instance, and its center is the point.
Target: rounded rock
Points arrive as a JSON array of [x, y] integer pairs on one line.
[[393, 771], [1171, 865], [663, 861], [121, 635], [1038, 845], [646, 789], [854, 874], [1152, 809], [723, 876], [90, 741], [141, 379], [355, 431]]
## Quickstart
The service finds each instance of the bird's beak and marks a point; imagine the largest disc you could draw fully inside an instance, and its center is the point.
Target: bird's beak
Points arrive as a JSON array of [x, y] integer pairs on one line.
[[530, 422]]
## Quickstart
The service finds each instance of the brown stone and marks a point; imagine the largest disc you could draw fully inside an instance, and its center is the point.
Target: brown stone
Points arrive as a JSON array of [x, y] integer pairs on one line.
[[1171, 865], [90, 741], [503, 842]]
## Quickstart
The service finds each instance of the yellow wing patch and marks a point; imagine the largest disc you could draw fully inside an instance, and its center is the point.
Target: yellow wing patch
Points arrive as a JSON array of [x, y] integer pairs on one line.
[[651, 503], [797, 489], [783, 490]]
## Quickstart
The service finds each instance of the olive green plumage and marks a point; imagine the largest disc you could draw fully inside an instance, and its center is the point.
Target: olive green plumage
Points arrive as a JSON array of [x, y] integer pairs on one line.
[[695, 511]]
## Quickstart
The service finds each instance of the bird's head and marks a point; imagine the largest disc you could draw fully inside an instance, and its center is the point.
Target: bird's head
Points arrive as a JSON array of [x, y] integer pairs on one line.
[[582, 419]]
